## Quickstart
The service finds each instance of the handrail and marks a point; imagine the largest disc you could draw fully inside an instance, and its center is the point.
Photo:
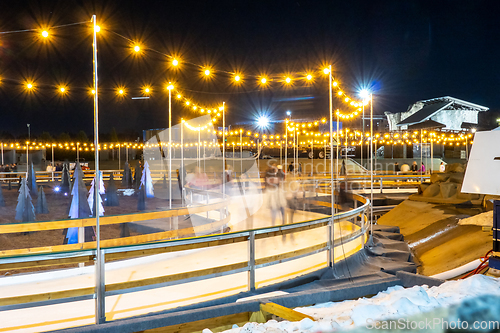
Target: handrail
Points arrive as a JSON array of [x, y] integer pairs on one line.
[[134, 250]]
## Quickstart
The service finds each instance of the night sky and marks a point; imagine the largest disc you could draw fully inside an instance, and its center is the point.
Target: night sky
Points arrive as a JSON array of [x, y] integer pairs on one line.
[[403, 50]]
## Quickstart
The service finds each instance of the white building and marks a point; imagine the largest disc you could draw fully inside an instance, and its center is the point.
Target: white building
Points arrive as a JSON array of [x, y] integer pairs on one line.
[[449, 111]]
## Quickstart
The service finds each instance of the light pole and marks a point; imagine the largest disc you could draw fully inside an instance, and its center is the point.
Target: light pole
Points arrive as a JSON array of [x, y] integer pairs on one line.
[[331, 236], [170, 87], [371, 166], [223, 149], [363, 133], [27, 150], [241, 152], [53, 165], [100, 314], [181, 171]]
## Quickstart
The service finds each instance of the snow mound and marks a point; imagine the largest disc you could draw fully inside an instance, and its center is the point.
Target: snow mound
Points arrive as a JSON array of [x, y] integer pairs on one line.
[[395, 302]]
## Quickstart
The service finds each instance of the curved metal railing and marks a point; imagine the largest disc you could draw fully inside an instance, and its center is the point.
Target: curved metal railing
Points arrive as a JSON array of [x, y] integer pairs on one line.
[[126, 251]]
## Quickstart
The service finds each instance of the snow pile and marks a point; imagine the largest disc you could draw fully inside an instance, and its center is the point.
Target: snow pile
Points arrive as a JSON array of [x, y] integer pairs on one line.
[[483, 220], [395, 302]]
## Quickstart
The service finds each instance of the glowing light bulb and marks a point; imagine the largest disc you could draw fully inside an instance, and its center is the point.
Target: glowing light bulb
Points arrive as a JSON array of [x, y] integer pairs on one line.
[[178, 96], [263, 80], [309, 77], [326, 70], [137, 48], [45, 34], [62, 89], [121, 91], [147, 90], [29, 85], [237, 78], [97, 28], [288, 80], [207, 72], [175, 62]]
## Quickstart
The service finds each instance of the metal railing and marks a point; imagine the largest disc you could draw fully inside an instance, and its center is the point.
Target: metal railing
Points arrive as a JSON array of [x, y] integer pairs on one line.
[[356, 216]]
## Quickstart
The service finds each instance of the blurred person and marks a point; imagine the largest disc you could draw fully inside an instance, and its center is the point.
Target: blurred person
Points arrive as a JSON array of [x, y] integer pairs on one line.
[[49, 168], [275, 197], [14, 167], [414, 167], [422, 168], [442, 167], [396, 167], [290, 167], [343, 170]]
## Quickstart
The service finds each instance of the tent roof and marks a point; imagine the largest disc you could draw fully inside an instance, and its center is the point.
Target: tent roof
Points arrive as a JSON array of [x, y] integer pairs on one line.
[[428, 124], [432, 106]]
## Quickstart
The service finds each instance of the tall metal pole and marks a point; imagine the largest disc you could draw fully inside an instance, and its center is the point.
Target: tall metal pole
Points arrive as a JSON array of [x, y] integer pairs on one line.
[[2, 152], [27, 158], [363, 133], [281, 154], [371, 165], [53, 165], [78, 152], [181, 171], [421, 155], [312, 159], [294, 150], [119, 156], [170, 148], [224, 148], [338, 144], [100, 311], [331, 239], [285, 169], [241, 152]]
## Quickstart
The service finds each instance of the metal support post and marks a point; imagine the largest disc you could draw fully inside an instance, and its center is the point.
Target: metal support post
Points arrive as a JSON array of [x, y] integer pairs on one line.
[[100, 310], [251, 261]]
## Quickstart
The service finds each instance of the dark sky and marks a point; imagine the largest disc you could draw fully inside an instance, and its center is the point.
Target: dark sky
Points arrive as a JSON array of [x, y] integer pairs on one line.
[[404, 50]]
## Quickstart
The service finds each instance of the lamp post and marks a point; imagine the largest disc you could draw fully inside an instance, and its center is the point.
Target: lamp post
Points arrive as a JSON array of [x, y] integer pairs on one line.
[[241, 151], [331, 236], [363, 133], [53, 165], [224, 149], [371, 165], [100, 313], [181, 171], [170, 87]]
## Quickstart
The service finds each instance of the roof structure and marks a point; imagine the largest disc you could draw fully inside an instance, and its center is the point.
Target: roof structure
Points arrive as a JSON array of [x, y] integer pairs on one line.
[[433, 106], [428, 124]]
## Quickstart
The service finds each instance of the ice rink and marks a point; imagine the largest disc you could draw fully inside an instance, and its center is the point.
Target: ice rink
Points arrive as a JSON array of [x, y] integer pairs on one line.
[[247, 211]]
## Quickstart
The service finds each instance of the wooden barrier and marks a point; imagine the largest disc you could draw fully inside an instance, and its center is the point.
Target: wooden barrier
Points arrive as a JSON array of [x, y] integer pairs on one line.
[[107, 243], [107, 220]]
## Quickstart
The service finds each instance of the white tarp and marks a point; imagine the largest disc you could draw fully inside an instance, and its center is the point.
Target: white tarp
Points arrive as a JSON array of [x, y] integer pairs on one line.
[[483, 169]]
